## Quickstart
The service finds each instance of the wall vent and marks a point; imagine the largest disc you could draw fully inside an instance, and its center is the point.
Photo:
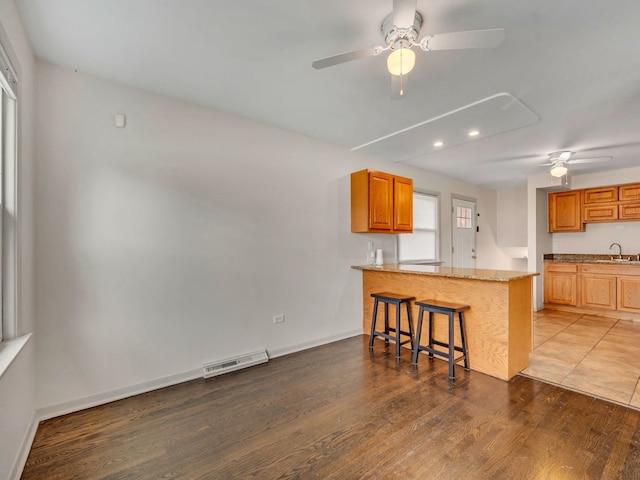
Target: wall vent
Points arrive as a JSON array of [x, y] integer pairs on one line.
[[235, 363]]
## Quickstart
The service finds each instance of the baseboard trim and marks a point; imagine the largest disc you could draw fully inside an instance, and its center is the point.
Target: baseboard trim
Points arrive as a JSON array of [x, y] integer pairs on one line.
[[71, 406], [27, 441], [113, 395], [279, 352]]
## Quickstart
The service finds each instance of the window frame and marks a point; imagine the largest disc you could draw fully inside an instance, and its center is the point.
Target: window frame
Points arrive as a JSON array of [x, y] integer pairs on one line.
[[9, 228], [437, 232]]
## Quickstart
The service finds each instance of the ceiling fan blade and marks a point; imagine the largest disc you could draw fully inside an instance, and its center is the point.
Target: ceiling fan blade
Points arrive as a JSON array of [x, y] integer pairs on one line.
[[344, 57], [404, 13], [589, 160], [398, 87], [490, 38]]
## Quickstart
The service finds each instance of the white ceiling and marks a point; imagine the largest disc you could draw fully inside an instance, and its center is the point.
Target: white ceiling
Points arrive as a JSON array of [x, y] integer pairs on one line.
[[574, 63]]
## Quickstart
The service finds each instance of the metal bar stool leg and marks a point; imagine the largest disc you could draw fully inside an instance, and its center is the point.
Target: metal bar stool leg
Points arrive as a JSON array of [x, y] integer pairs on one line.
[[430, 332], [451, 346], [398, 310], [410, 320], [386, 322], [373, 322], [416, 344], [463, 339]]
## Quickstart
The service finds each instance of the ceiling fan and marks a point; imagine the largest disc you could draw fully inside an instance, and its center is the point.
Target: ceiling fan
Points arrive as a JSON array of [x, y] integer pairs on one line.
[[559, 160], [400, 31]]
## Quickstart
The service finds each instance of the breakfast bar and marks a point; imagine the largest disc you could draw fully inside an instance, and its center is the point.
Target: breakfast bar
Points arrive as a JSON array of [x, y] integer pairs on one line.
[[499, 322]]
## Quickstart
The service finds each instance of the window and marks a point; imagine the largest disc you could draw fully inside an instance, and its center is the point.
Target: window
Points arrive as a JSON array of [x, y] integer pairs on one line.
[[422, 245], [463, 217], [8, 195]]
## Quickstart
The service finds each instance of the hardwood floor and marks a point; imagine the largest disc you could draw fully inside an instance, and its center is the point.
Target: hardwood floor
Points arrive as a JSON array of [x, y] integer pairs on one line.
[[337, 412], [591, 354]]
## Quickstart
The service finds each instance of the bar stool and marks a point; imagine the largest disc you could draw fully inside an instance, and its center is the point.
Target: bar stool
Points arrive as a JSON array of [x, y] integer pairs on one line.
[[449, 309], [397, 300]]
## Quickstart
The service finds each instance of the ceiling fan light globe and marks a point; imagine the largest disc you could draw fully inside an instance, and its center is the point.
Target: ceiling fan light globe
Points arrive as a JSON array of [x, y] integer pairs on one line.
[[558, 171], [401, 61]]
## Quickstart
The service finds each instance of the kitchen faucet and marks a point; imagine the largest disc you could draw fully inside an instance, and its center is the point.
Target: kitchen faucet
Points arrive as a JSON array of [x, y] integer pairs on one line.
[[619, 249]]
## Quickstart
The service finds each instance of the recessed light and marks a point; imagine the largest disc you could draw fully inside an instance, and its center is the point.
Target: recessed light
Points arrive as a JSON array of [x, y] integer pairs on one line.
[[474, 133], [439, 143]]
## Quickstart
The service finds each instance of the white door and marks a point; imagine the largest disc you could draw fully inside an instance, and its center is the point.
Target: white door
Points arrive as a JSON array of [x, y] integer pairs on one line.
[[463, 236]]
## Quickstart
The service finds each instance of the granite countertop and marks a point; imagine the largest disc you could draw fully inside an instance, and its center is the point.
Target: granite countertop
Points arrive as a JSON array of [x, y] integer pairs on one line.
[[589, 258], [451, 272]]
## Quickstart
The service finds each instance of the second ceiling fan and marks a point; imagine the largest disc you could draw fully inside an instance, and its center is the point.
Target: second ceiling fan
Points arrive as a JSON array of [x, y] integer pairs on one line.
[[400, 31]]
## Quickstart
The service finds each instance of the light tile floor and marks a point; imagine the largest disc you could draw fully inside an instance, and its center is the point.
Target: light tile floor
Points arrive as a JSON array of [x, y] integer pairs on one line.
[[596, 355]]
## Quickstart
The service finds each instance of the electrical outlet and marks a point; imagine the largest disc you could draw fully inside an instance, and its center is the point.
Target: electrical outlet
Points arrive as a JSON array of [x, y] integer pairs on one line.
[[278, 318]]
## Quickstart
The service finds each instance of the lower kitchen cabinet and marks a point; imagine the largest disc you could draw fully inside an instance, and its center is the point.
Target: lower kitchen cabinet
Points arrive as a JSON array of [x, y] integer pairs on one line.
[[598, 291], [629, 294], [593, 286], [560, 283]]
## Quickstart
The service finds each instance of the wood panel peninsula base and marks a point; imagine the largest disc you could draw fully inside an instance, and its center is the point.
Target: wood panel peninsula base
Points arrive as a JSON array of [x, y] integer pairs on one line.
[[499, 324]]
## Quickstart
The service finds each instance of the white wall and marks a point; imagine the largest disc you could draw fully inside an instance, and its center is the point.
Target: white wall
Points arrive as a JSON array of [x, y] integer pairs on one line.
[[175, 240], [17, 384], [597, 237], [512, 215]]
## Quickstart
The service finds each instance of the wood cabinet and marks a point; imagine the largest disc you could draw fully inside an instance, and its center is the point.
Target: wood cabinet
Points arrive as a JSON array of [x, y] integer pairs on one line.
[[600, 195], [598, 291], [565, 211], [570, 210], [629, 192], [616, 203], [628, 294], [629, 211], [593, 286], [600, 213], [561, 283], [381, 203]]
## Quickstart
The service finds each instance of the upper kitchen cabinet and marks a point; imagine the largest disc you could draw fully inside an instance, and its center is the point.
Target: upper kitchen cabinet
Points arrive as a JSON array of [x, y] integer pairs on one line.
[[569, 211], [600, 195], [565, 211], [611, 204], [381, 203], [629, 192]]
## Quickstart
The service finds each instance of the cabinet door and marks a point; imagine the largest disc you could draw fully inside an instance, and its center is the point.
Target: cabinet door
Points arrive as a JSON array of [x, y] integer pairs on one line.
[[565, 212], [600, 213], [629, 192], [600, 195], [561, 288], [403, 204], [598, 291], [629, 212], [560, 284], [380, 201], [629, 294]]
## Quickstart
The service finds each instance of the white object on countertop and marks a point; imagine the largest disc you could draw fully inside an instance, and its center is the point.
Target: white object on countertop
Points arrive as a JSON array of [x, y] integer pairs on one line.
[[379, 256]]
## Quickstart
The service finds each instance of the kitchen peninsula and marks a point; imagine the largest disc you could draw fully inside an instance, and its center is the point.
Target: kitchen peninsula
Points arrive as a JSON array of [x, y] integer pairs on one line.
[[498, 324]]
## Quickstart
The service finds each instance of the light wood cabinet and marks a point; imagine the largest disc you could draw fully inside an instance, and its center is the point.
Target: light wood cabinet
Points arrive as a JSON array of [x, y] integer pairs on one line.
[[629, 212], [598, 291], [628, 294], [629, 192], [381, 203], [570, 210], [600, 213], [600, 195], [402, 204], [565, 211], [596, 286], [561, 283]]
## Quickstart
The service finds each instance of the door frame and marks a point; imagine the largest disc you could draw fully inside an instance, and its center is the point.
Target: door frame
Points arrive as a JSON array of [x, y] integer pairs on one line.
[[474, 225]]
